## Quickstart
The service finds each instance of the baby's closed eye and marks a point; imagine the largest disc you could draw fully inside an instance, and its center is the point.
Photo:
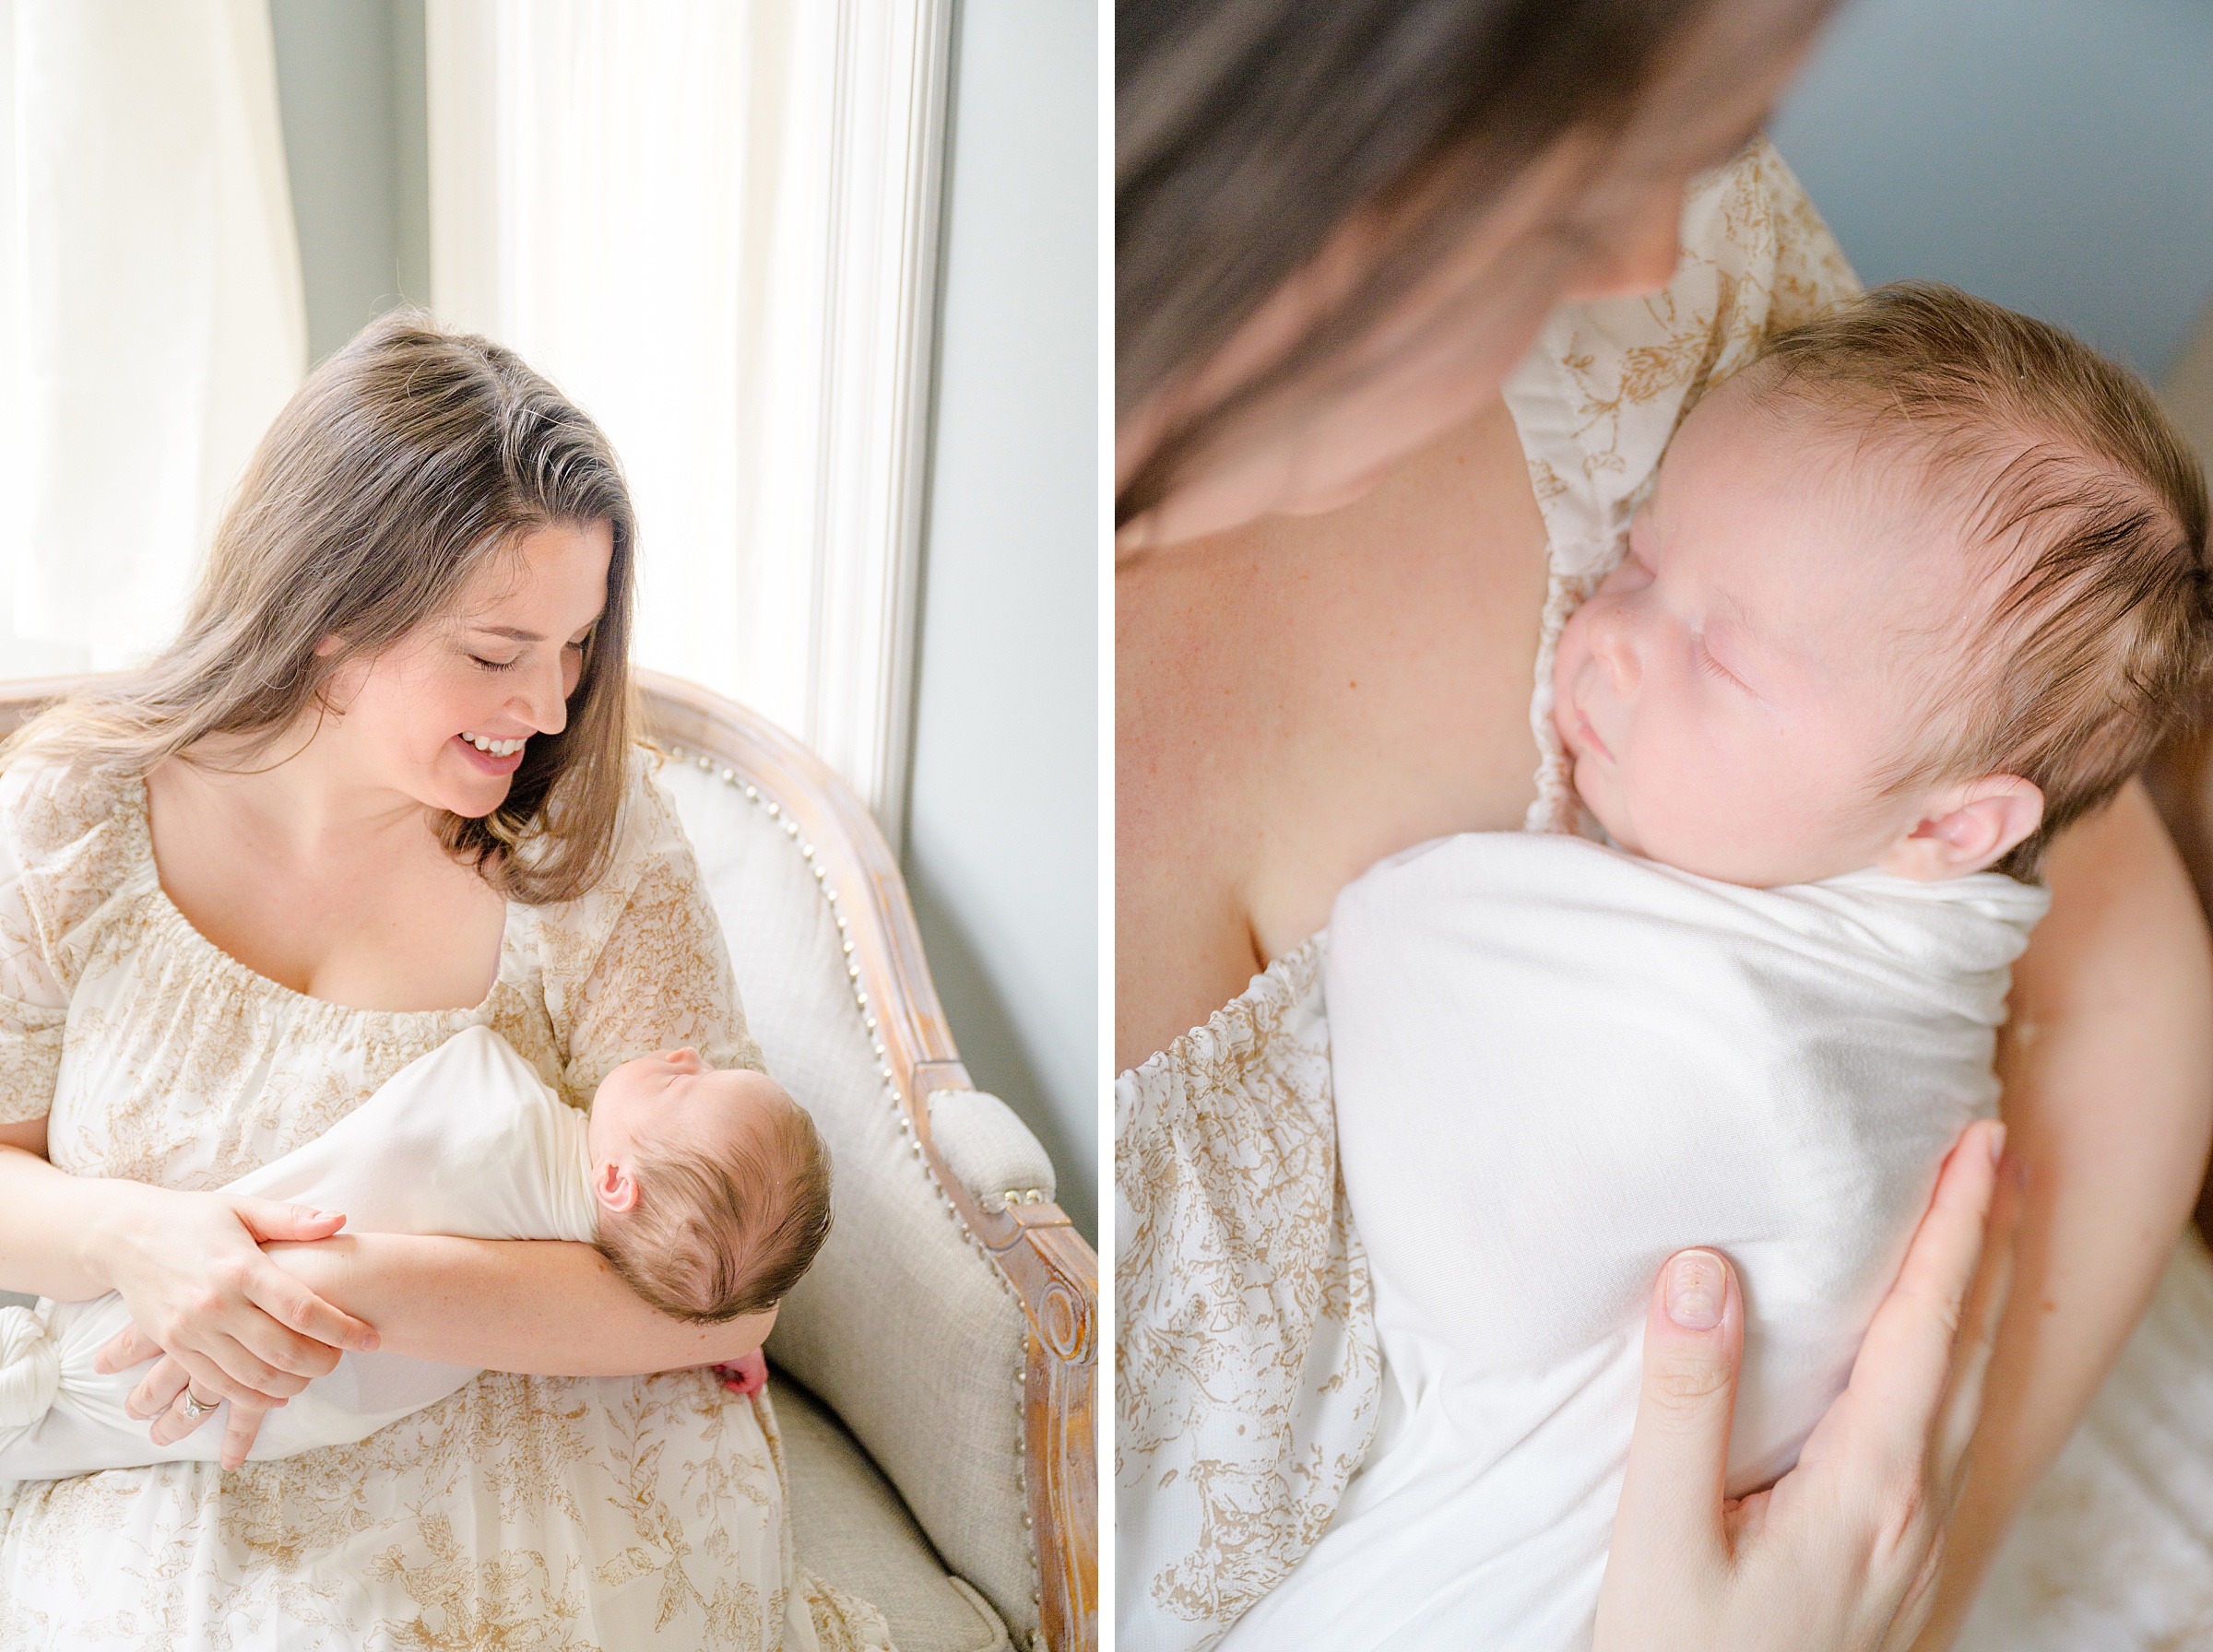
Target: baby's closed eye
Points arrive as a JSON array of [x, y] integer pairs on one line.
[[1711, 666]]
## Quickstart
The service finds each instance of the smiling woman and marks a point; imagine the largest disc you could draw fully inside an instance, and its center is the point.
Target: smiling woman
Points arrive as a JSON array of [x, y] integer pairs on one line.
[[382, 791], [369, 506]]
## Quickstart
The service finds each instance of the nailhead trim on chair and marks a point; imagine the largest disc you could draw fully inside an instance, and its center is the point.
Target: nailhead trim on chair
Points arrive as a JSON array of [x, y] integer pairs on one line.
[[890, 1089]]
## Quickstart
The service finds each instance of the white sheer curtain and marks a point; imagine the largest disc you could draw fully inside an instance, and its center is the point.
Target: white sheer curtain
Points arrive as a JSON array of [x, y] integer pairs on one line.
[[712, 222], [151, 321]]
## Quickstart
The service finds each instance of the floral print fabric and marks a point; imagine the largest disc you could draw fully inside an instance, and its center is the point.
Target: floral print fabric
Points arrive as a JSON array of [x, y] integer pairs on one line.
[[521, 1511]]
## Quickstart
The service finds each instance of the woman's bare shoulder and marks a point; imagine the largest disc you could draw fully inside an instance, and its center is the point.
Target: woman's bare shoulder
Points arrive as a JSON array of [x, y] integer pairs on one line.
[[1298, 699]]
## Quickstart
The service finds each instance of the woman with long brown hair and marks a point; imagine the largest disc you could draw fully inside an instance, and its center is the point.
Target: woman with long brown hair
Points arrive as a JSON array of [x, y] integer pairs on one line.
[[383, 787], [1353, 504]]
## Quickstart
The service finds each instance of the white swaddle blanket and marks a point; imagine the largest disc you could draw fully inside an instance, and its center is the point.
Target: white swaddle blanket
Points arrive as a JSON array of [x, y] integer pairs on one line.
[[1555, 1065], [466, 1140]]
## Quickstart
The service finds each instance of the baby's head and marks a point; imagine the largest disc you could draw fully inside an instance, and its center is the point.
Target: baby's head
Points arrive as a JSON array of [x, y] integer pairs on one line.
[[714, 1188], [1917, 588]]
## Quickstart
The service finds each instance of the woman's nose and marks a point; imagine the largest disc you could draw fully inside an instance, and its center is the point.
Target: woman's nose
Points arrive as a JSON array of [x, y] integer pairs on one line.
[[545, 701]]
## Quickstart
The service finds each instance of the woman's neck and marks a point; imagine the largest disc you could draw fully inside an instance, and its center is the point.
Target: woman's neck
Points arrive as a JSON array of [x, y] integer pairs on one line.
[[309, 873], [302, 796]]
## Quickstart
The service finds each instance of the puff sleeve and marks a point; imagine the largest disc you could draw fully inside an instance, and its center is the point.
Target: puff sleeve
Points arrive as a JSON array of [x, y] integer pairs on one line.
[[54, 852], [639, 965]]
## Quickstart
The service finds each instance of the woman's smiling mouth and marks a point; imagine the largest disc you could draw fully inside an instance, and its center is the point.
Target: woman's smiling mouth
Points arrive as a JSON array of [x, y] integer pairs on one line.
[[490, 756]]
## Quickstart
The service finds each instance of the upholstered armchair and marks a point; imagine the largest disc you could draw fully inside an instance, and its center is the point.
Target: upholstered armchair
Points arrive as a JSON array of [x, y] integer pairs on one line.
[[933, 1377]]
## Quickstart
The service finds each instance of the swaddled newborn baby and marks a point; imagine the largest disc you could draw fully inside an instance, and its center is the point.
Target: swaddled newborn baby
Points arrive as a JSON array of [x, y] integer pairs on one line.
[[1910, 592], [708, 1190]]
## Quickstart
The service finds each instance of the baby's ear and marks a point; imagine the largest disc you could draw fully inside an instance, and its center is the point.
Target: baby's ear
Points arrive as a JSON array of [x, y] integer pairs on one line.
[[1967, 828], [613, 1186]]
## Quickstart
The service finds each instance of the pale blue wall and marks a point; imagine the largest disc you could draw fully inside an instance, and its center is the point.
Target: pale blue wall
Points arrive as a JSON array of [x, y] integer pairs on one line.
[[1002, 824], [349, 85], [2054, 155]]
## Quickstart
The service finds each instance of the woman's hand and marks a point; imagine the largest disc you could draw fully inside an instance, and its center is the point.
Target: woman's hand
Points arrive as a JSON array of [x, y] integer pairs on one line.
[[190, 1268], [242, 1419], [320, 1268], [1841, 1555]]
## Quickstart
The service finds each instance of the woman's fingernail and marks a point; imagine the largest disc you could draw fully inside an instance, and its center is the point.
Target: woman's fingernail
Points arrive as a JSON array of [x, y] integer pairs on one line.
[[1997, 1144], [1695, 1287], [368, 1344]]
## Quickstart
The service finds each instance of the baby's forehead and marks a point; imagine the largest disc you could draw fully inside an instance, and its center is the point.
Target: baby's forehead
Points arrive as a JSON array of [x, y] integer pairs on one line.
[[1807, 530], [738, 1091]]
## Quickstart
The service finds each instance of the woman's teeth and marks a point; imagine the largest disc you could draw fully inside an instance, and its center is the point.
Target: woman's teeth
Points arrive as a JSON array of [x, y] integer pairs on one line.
[[496, 748]]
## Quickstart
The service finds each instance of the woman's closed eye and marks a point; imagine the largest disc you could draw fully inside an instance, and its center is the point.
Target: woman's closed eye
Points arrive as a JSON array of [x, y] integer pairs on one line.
[[577, 648]]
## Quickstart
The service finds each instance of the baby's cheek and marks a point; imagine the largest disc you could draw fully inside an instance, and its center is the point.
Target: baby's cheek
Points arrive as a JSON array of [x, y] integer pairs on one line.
[[1681, 804], [1602, 791]]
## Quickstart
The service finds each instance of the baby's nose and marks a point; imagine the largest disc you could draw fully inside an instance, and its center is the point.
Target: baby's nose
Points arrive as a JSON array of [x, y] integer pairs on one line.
[[1612, 642]]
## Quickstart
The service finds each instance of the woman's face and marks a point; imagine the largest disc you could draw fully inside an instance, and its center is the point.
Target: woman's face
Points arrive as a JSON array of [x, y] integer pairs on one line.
[[1579, 224], [444, 715]]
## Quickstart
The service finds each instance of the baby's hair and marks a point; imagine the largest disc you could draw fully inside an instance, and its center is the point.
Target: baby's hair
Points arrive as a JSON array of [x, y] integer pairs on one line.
[[2085, 499], [729, 1232]]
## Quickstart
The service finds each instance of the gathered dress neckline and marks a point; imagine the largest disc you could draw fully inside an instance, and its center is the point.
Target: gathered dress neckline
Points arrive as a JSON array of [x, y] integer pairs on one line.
[[138, 815]]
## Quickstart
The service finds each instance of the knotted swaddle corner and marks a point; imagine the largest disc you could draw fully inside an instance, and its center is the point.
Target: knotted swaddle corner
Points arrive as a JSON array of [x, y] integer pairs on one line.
[[30, 1368]]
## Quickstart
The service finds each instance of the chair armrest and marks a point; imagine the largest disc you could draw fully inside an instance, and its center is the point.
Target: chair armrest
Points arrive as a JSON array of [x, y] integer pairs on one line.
[[988, 1150], [1045, 1263]]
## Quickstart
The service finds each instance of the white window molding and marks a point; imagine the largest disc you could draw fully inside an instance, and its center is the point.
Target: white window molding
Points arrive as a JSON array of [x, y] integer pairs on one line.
[[714, 223]]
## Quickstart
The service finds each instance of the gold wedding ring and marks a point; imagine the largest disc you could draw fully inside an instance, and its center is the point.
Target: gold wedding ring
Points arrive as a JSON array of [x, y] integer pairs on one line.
[[194, 1407]]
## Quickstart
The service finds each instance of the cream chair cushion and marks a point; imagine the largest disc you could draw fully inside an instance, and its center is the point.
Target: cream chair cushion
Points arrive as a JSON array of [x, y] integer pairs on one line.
[[904, 1328], [848, 1526]]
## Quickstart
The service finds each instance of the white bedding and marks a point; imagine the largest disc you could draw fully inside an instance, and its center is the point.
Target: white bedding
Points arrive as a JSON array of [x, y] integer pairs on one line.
[[466, 1140], [1555, 1065]]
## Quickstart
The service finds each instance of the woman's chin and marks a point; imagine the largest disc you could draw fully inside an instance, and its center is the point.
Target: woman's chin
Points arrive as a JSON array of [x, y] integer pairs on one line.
[[469, 794]]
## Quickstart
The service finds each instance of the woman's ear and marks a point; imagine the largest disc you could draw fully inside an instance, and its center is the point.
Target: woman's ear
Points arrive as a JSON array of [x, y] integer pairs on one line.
[[328, 646], [612, 1187], [1966, 827]]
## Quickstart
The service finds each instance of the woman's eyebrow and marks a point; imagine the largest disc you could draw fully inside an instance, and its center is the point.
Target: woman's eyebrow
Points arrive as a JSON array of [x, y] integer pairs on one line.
[[516, 634]]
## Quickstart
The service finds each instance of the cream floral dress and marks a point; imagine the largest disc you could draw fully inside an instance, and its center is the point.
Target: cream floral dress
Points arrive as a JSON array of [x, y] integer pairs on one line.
[[1249, 1380], [524, 1512]]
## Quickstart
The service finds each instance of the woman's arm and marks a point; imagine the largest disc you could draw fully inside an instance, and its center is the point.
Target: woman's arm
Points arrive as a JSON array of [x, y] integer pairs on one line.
[[2108, 1073], [52, 1224], [188, 1265], [544, 1307]]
